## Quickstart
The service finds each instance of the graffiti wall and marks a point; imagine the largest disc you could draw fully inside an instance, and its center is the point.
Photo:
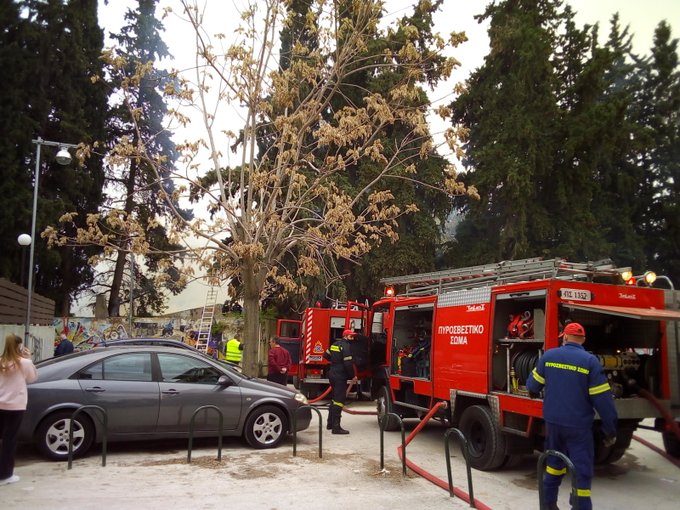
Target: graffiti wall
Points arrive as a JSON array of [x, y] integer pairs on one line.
[[86, 333]]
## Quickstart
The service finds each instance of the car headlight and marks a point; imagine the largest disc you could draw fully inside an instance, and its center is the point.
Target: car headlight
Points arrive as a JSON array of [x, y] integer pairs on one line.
[[301, 398]]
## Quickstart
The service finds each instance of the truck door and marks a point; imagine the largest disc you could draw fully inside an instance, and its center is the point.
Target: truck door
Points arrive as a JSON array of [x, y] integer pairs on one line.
[[289, 333]]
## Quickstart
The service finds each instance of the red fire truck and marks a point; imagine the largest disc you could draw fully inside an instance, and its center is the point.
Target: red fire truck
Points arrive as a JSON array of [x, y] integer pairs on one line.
[[487, 326], [309, 338]]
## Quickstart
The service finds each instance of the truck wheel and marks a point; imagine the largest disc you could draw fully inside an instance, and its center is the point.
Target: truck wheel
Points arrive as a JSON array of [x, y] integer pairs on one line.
[[671, 443], [51, 437], [486, 443], [384, 404], [311, 391], [623, 439], [265, 427]]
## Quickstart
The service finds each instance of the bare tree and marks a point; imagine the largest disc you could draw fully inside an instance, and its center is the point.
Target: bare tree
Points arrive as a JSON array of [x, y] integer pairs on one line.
[[286, 195]]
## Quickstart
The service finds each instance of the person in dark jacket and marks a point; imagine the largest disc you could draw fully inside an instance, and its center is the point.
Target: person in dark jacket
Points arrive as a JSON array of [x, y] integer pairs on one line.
[[342, 368], [65, 346], [574, 384]]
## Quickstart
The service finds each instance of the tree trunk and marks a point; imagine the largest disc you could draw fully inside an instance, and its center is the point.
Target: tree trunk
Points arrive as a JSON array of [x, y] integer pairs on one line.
[[114, 296], [63, 305], [251, 315]]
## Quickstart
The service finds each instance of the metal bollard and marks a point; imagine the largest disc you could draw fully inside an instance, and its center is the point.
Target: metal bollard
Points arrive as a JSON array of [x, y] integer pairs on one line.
[[382, 420], [295, 429], [105, 422], [540, 469], [466, 456], [191, 431]]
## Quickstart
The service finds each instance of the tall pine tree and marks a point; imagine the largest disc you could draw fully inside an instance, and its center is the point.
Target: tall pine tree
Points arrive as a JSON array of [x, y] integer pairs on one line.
[[510, 110], [659, 113], [53, 53], [133, 190]]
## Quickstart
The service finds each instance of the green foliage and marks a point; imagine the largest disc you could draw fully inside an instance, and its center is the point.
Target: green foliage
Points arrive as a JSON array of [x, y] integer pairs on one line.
[[218, 327], [658, 112], [570, 143], [49, 52]]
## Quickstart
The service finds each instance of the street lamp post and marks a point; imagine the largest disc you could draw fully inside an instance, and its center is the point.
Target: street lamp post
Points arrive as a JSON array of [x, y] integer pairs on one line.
[[63, 158], [23, 240]]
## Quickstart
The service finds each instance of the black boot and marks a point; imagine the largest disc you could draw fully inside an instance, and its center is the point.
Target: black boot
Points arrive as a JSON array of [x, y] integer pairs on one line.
[[329, 426], [335, 420]]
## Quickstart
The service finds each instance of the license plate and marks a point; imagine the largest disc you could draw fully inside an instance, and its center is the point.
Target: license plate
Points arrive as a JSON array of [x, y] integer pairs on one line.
[[576, 295]]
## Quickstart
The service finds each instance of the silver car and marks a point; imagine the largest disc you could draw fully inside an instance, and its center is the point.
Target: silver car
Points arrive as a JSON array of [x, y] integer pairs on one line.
[[152, 393]]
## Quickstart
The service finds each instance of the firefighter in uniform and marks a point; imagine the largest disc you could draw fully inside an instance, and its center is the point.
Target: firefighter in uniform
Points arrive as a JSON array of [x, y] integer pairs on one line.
[[342, 368], [574, 383]]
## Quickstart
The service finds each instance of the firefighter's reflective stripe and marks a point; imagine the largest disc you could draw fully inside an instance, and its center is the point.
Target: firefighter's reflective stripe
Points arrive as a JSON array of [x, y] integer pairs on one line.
[[347, 358], [583, 493], [335, 348], [555, 472], [564, 366], [538, 377], [596, 390], [336, 403]]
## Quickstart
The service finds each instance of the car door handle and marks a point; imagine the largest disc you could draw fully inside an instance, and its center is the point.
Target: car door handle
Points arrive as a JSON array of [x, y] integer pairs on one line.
[[95, 389], [170, 392]]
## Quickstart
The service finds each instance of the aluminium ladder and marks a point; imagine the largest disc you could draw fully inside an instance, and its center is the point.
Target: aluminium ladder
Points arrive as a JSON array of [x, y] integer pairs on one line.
[[508, 271], [206, 323]]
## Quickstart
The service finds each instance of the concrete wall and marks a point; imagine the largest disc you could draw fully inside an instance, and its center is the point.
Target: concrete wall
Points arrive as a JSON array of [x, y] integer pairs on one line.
[[40, 341]]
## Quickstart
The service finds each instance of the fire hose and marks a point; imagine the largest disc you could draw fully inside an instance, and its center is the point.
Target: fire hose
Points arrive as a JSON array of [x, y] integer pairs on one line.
[[427, 475], [671, 424], [414, 467]]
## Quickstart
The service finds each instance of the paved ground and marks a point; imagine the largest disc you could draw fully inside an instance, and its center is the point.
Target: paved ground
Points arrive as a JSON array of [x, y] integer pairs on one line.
[[157, 476]]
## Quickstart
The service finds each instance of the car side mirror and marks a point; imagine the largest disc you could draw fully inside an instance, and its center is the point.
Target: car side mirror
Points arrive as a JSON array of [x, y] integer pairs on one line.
[[224, 381]]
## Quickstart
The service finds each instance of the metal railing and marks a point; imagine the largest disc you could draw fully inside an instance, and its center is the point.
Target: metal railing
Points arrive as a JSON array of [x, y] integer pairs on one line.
[[219, 437], [466, 455], [540, 469], [295, 413], [105, 422], [382, 420]]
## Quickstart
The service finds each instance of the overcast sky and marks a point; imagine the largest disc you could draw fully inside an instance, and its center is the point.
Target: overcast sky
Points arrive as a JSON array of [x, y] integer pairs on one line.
[[457, 15]]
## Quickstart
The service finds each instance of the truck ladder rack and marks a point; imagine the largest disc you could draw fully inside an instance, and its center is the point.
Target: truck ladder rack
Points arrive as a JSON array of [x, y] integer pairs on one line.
[[508, 271]]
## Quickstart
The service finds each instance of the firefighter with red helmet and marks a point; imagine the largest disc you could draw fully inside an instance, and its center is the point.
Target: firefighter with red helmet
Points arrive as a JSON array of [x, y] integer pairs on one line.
[[575, 384], [342, 368]]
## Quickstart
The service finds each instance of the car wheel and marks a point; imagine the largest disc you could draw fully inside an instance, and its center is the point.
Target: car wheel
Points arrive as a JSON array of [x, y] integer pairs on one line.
[[265, 427], [52, 435], [486, 442]]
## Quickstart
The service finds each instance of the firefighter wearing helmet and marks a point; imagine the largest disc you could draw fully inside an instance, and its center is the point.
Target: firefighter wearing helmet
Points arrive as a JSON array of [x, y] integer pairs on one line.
[[342, 368], [575, 384]]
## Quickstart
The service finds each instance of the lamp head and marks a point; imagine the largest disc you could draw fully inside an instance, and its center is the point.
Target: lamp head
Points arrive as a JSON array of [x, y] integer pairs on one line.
[[63, 156], [24, 239]]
